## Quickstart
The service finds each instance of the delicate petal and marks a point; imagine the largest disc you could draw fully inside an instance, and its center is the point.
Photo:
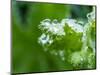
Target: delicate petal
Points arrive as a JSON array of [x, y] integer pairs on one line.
[[73, 24]]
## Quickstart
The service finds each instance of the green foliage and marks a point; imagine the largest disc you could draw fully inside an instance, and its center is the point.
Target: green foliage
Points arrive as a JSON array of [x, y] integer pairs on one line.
[[71, 39], [43, 39]]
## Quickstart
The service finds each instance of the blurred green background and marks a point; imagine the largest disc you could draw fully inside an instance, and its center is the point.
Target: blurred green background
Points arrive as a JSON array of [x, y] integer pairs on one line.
[[27, 54]]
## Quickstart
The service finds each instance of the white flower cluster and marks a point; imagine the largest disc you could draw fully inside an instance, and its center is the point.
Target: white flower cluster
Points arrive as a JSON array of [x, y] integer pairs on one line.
[[77, 58], [74, 24], [45, 39], [54, 27], [57, 28]]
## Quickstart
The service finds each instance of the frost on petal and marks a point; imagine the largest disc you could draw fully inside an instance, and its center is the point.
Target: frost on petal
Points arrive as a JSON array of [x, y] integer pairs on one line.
[[76, 26]]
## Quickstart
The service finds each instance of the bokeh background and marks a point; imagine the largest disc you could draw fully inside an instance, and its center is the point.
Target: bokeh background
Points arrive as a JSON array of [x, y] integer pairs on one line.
[[27, 54]]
